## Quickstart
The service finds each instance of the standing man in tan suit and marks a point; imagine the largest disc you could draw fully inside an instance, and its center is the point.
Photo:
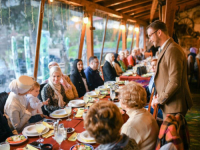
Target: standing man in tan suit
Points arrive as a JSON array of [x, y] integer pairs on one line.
[[173, 93]]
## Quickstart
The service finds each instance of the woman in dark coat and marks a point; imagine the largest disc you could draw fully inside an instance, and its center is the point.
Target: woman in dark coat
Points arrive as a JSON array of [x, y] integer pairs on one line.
[[78, 77], [108, 68]]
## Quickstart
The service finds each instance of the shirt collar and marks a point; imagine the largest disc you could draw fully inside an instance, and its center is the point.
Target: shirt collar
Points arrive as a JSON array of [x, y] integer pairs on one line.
[[164, 44]]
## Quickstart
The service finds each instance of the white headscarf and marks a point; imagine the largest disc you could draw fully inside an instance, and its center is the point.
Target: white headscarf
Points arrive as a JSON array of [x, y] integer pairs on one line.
[[20, 86], [56, 87], [109, 58], [53, 63]]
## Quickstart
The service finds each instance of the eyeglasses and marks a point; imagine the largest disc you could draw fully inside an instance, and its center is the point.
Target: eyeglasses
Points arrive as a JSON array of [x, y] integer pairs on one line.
[[152, 34]]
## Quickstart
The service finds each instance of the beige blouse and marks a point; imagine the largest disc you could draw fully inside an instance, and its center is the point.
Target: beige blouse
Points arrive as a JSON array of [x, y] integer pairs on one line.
[[142, 127], [71, 93], [118, 69]]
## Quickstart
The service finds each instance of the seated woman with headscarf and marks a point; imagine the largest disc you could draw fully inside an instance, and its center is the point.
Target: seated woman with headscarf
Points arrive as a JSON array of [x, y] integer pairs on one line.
[[54, 90], [16, 110], [108, 68], [70, 89], [78, 77], [141, 126], [117, 65], [103, 122]]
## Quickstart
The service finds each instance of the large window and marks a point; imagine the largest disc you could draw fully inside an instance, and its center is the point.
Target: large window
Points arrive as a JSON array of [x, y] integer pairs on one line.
[[110, 44], [18, 29], [60, 37], [141, 38]]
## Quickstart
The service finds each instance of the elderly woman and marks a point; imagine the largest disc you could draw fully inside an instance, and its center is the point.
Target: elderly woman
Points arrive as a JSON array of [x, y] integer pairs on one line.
[[16, 110], [54, 90], [125, 60], [132, 58], [78, 77], [141, 126], [70, 89], [117, 65], [103, 122], [108, 68], [121, 58]]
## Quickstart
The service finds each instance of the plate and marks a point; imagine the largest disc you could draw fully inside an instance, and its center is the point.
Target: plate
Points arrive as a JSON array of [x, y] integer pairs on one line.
[[33, 135], [85, 135], [18, 142], [71, 131], [92, 148], [76, 103], [92, 94], [61, 113]]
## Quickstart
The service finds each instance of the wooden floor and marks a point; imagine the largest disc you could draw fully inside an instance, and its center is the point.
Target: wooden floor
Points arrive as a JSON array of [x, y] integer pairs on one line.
[[193, 118]]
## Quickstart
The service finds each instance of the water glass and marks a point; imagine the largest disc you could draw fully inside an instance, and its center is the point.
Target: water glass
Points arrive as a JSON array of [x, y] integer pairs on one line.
[[39, 128], [117, 79], [97, 91], [4, 146], [112, 94], [59, 137], [68, 110]]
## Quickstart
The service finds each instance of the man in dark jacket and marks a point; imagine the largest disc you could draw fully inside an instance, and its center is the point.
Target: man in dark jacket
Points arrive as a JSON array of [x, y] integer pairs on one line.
[[92, 74]]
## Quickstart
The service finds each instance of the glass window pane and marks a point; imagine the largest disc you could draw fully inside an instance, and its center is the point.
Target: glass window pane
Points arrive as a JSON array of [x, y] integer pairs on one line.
[[110, 44], [18, 28], [60, 37], [141, 38], [129, 37]]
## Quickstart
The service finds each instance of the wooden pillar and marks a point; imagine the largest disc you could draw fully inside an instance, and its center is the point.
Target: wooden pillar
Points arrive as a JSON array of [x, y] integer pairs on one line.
[[170, 15], [39, 31], [89, 36], [123, 30], [103, 40], [137, 35], [81, 41], [118, 40], [144, 38], [132, 40], [160, 12], [163, 13]]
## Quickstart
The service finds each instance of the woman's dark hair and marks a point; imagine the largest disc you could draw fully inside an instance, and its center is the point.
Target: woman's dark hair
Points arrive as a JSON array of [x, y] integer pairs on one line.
[[75, 69], [116, 55]]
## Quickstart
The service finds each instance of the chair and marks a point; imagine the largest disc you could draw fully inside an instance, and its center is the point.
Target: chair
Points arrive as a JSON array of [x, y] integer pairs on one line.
[[40, 98], [3, 98], [149, 107], [148, 54], [101, 70], [198, 64]]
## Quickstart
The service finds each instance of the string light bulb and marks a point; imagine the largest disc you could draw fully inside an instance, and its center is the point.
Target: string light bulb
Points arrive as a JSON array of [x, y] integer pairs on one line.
[[85, 20], [51, 1], [122, 27], [130, 28], [136, 29]]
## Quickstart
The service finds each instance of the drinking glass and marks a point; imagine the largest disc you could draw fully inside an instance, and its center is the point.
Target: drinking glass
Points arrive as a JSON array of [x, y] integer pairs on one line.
[[39, 128], [4, 146], [117, 79], [68, 110], [59, 137], [97, 91], [112, 94]]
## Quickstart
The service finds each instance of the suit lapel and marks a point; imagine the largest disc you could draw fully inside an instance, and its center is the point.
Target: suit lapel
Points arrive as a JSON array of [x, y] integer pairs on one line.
[[162, 53]]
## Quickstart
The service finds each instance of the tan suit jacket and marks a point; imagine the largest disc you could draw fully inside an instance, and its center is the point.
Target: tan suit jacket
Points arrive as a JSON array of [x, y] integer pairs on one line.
[[171, 79]]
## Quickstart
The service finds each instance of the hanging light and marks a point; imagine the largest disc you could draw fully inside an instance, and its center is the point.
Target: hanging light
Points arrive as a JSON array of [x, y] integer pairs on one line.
[[116, 26], [75, 19], [50, 1], [130, 28], [122, 27], [85, 20], [136, 29]]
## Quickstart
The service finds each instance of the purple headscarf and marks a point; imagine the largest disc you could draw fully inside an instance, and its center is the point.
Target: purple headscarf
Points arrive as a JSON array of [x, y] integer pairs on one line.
[[193, 50]]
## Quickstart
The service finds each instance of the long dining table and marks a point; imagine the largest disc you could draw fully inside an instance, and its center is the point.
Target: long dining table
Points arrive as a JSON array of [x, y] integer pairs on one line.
[[76, 123]]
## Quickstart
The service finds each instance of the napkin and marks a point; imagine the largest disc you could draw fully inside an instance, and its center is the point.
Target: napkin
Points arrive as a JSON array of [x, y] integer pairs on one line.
[[48, 134], [73, 137], [47, 125], [80, 112], [30, 147], [102, 96]]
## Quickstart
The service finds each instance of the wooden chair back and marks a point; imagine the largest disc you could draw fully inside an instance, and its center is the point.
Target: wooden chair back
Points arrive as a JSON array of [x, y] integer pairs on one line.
[[198, 64], [149, 107], [101, 70], [148, 54]]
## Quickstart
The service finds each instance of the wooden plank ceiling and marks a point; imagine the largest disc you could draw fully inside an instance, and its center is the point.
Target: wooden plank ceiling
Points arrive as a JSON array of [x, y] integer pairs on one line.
[[140, 9]]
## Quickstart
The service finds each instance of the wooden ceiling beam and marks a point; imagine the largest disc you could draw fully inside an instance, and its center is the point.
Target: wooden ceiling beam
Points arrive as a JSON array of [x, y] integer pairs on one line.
[[141, 14], [110, 3], [153, 9], [135, 11], [130, 4], [92, 6], [96, 1]]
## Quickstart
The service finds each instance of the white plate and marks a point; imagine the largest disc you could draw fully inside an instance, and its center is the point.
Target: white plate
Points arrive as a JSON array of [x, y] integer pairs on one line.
[[92, 93], [76, 103], [33, 135], [85, 135], [31, 130], [19, 142], [60, 112]]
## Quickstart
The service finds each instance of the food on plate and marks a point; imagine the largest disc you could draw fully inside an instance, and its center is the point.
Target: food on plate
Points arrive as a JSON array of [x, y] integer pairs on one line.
[[69, 129], [82, 147], [16, 139]]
